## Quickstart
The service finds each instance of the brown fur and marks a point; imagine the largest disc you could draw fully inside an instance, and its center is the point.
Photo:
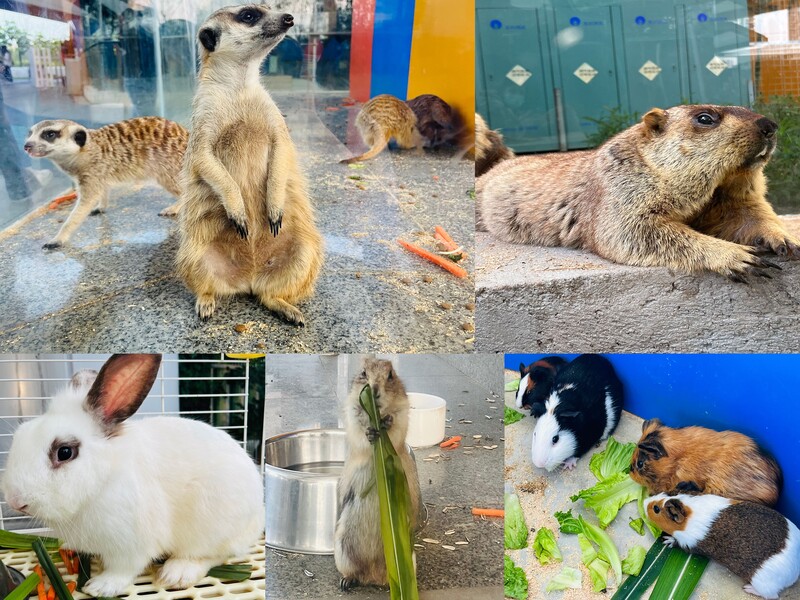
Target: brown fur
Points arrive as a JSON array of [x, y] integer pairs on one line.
[[247, 225], [129, 151], [489, 147], [666, 192], [729, 540], [384, 118], [438, 123], [725, 463], [358, 551]]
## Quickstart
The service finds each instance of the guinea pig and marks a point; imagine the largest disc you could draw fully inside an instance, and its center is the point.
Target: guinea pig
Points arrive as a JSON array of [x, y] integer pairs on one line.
[[583, 408], [754, 542], [704, 461], [536, 383]]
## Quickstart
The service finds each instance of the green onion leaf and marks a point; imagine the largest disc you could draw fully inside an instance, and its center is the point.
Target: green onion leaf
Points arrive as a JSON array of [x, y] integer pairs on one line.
[[680, 575], [24, 589], [21, 541], [634, 587], [49, 568], [231, 572]]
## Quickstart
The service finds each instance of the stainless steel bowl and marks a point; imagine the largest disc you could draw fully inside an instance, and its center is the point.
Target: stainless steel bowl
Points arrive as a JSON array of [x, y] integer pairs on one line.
[[301, 470]]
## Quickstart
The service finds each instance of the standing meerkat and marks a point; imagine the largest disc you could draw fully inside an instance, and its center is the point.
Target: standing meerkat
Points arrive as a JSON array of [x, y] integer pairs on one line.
[[247, 224], [683, 189], [384, 118], [358, 549], [97, 159]]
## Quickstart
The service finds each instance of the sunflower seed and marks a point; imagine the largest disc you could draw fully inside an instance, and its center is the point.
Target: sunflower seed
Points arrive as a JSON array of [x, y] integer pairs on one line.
[[461, 543], [430, 541], [307, 573], [451, 532], [477, 437], [448, 547]]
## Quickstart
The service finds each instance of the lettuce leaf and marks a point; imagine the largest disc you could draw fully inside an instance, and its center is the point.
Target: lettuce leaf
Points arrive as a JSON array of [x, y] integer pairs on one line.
[[568, 578], [567, 523], [632, 564], [616, 458], [637, 525], [513, 385], [608, 496], [515, 584], [516, 531], [607, 551], [545, 547], [655, 531], [598, 567], [511, 416]]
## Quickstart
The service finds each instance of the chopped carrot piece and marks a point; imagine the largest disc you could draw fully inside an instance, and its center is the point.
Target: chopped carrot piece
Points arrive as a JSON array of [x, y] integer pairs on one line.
[[51, 593], [71, 586], [76, 565], [488, 512], [68, 197], [445, 235], [445, 263], [40, 587], [65, 559], [450, 441]]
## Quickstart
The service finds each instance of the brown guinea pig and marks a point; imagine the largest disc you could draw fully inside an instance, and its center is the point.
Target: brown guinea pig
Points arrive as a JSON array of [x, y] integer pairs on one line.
[[703, 461]]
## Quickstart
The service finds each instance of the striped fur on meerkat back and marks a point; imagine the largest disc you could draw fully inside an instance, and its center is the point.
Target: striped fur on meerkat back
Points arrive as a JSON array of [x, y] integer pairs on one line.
[[384, 118], [138, 149]]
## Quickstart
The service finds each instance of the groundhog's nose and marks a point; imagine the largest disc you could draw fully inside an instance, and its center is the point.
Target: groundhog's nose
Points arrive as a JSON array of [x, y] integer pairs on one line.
[[767, 127], [287, 20]]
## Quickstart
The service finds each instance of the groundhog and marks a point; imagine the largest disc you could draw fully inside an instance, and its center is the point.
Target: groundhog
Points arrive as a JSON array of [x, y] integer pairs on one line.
[[489, 147], [384, 118], [437, 122], [683, 189]]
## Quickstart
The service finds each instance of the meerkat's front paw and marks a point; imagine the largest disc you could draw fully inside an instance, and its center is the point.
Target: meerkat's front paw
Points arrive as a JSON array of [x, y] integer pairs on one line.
[[170, 211], [205, 306], [240, 225], [52, 245], [275, 222], [97, 211], [372, 434]]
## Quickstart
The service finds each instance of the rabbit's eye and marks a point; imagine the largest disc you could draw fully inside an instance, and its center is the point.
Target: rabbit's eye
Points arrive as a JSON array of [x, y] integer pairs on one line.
[[64, 453]]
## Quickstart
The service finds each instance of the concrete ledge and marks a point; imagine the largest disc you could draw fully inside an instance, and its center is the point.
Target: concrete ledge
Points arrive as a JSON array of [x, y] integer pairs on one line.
[[531, 299]]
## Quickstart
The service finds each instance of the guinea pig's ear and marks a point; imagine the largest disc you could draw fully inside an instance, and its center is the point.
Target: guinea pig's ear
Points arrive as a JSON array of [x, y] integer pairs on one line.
[[209, 37], [651, 424], [675, 511], [652, 449], [655, 122], [522, 369], [121, 387], [83, 378], [570, 414], [80, 137]]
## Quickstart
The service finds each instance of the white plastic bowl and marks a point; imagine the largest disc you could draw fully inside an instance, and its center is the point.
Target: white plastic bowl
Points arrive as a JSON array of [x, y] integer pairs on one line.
[[426, 420]]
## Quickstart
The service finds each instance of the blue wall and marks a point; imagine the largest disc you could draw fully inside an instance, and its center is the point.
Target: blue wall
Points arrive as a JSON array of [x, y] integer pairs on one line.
[[754, 394], [391, 47]]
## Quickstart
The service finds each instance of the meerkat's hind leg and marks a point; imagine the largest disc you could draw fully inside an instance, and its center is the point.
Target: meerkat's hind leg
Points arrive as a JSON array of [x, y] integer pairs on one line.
[[205, 305], [172, 210], [170, 183], [88, 198], [102, 206]]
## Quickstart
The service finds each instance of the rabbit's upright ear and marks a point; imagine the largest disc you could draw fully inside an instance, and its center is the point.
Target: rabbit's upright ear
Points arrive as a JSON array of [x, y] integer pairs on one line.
[[121, 387]]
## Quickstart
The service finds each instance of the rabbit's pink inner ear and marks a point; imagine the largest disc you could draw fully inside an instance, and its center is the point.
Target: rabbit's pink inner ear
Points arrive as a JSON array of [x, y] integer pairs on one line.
[[122, 385]]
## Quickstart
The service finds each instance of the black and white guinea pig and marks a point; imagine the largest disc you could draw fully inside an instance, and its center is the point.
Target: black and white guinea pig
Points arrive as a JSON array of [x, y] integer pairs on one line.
[[755, 542], [583, 408], [536, 383]]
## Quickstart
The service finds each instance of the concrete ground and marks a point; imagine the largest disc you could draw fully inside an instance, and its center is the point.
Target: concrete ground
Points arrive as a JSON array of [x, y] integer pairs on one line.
[[462, 478], [114, 286], [537, 299], [542, 494]]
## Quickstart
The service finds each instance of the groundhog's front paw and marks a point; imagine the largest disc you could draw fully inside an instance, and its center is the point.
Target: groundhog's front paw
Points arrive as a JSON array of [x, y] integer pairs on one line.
[[52, 245], [107, 585], [780, 244], [387, 421], [740, 268], [372, 434], [570, 463]]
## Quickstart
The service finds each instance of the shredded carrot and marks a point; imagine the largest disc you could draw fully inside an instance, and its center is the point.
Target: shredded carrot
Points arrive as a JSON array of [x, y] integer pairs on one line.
[[76, 565], [489, 512], [445, 263], [51, 593], [40, 587], [56, 202], [65, 559], [71, 586], [450, 441]]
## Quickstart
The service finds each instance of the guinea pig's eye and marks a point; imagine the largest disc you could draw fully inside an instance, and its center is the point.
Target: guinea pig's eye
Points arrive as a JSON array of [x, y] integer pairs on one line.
[[555, 439], [704, 119], [639, 463], [656, 508], [248, 16]]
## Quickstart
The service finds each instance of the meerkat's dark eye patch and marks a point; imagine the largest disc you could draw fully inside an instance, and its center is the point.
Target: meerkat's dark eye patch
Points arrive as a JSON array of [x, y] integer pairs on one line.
[[80, 138], [248, 16], [209, 37], [49, 134]]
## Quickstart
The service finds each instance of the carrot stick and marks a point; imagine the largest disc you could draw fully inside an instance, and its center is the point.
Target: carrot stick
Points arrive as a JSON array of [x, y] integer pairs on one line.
[[68, 197], [40, 587], [446, 264], [445, 235], [65, 559], [51, 593], [489, 512], [76, 565], [71, 586], [444, 243], [450, 441]]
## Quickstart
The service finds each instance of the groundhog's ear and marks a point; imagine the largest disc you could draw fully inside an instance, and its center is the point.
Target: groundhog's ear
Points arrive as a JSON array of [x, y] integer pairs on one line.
[[209, 37], [651, 424], [80, 137], [675, 511], [655, 121]]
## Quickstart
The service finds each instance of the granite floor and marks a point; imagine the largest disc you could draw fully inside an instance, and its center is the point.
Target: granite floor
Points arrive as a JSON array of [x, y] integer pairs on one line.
[[114, 288], [305, 392]]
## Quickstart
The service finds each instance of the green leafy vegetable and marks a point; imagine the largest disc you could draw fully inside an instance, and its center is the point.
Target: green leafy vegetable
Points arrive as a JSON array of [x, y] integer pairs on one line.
[[637, 525], [512, 386], [515, 584], [679, 576], [567, 523], [655, 531], [608, 496], [50, 569], [632, 564], [616, 458], [511, 416], [634, 588], [24, 589], [231, 572], [568, 578], [395, 504], [607, 550], [21, 541], [597, 565], [516, 531], [545, 547]]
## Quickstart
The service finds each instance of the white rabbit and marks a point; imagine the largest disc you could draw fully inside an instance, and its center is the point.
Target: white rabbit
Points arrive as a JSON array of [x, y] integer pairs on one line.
[[134, 492]]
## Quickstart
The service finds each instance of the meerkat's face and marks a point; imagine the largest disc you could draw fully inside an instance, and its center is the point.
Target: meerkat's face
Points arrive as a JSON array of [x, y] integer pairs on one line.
[[246, 31], [56, 140]]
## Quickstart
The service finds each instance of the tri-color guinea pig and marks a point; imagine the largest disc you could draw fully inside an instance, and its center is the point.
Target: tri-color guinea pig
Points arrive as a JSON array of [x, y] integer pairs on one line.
[[536, 383], [583, 408], [755, 542], [704, 461]]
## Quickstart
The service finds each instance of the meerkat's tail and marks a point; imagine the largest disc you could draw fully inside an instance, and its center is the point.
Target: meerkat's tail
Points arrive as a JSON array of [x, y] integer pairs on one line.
[[489, 147], [371, 153]]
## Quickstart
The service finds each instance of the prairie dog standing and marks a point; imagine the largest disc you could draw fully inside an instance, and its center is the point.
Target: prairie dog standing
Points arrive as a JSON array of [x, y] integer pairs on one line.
[[359, 547], [683, 189], [384, 118], [96, 159], [247, 224]]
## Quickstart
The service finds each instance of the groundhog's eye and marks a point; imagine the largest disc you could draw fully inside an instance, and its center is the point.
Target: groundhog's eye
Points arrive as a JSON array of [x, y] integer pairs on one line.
[[390, 376], [364, 374], [555, 439], [704, 119], [656, 509], [248, 16]]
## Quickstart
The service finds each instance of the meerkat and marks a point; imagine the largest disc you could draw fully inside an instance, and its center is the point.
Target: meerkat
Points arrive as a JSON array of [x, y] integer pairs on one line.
[[384, 118], [683, 189], [489, 147], [438, 123], [358, 550], [246, 223], [96, 159]]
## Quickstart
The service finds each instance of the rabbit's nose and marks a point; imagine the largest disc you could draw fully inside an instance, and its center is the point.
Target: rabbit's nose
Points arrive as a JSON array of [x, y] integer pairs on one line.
[[17, 504]]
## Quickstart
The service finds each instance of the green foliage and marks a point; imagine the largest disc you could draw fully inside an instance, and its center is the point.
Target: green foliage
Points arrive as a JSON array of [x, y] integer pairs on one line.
[[783, 169], [516, 531], [616, 458], [515, 584], [613, 122], [568, 578], [545, 547], [511, 416]]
